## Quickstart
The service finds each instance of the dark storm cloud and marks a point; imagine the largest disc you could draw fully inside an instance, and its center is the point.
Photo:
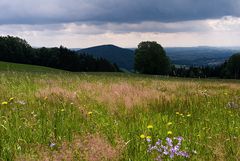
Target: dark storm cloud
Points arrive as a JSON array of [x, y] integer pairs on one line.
[[113, 11]]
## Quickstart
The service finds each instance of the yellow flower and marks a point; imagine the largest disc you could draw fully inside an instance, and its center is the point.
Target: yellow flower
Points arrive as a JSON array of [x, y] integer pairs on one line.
[[169, 132], [142, 136], [148, 137], [225, 93], [11, 99], [189, 115], [170, 123], [90, 113], [62, 110], [4, 103], [181, 114], [177, 113], [149, 126]]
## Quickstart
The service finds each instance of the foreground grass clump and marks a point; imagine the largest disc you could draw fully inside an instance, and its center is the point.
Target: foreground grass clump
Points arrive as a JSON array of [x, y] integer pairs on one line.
[[66, 116]]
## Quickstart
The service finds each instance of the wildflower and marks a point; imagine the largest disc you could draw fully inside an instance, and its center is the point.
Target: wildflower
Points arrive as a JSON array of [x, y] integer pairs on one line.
[[169, 141], [169, 123], [142, 136], [21, 102], [167, 150], [71, 103], [194, 151], [52, 145], [177, 113], [225, 93], [62, 110], [4, 103], [159, 142], [189, 115], [149, 126], [90, 113], [11, 99], [148, 138], [169, 132], [181, 114]]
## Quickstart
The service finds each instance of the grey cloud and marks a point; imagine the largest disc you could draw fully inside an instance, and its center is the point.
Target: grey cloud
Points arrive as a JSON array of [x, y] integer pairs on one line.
[[113, 11], [116, 28]]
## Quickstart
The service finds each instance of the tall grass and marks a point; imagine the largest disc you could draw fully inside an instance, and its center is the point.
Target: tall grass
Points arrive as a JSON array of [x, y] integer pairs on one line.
[[81, 116]]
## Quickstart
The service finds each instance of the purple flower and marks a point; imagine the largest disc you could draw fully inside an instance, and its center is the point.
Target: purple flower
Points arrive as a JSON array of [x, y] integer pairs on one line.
[[183, 154], [169, 141], [159, 142], [169, 149], [179, 138], [148, 140]]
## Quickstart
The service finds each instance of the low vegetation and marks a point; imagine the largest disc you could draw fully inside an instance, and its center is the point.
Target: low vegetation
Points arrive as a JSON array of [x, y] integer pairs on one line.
[[99, 116]]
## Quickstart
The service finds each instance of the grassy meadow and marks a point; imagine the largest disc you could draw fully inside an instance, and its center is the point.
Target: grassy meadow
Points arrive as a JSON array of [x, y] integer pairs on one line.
[[46, 115]]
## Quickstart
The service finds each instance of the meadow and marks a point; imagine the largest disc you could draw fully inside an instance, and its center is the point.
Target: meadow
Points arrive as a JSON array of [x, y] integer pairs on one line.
[[57, 115]]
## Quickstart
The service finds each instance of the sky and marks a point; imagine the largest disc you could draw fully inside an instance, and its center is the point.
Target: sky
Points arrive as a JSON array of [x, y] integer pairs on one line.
[[85, 23]]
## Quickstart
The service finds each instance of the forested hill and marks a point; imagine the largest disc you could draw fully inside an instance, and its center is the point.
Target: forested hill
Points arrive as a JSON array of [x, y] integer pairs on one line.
[[17, 50], [124, 58], [188, 56]]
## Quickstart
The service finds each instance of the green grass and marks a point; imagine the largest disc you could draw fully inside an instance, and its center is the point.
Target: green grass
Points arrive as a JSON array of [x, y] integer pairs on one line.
[[6, 66], [53, 108]]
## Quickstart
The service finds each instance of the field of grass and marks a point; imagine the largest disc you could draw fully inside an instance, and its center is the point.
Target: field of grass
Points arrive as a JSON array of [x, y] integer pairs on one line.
[[106, 116], [6, 66]]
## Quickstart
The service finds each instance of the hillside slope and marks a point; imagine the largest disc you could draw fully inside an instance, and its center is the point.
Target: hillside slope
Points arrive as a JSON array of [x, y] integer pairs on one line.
[[124, 58], [6, 66]]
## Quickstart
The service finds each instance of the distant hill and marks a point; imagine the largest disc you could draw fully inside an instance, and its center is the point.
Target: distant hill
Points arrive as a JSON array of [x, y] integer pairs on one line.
[[188, 56], [124, 58], [200, 56]]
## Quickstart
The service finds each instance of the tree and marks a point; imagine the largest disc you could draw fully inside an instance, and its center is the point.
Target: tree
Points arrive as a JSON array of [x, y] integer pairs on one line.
[[150, 58], [14, 49], [233, 66]]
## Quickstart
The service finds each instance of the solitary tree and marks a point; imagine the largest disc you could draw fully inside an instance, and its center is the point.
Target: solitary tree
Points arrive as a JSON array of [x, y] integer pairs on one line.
[[150, 58], [233, 65]]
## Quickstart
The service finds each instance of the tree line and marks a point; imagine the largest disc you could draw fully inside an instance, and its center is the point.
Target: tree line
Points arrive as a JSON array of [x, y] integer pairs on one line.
[[17, 50], [151, 58]]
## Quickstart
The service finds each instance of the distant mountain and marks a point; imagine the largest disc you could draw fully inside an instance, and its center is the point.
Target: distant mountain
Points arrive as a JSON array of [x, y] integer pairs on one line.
[[124, 58], [200, 56], [75, 49], [187, 56]]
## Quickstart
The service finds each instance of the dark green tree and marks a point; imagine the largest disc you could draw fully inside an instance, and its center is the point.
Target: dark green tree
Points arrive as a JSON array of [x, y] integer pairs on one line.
[[233, 66], [150, 58], [17, 50]]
